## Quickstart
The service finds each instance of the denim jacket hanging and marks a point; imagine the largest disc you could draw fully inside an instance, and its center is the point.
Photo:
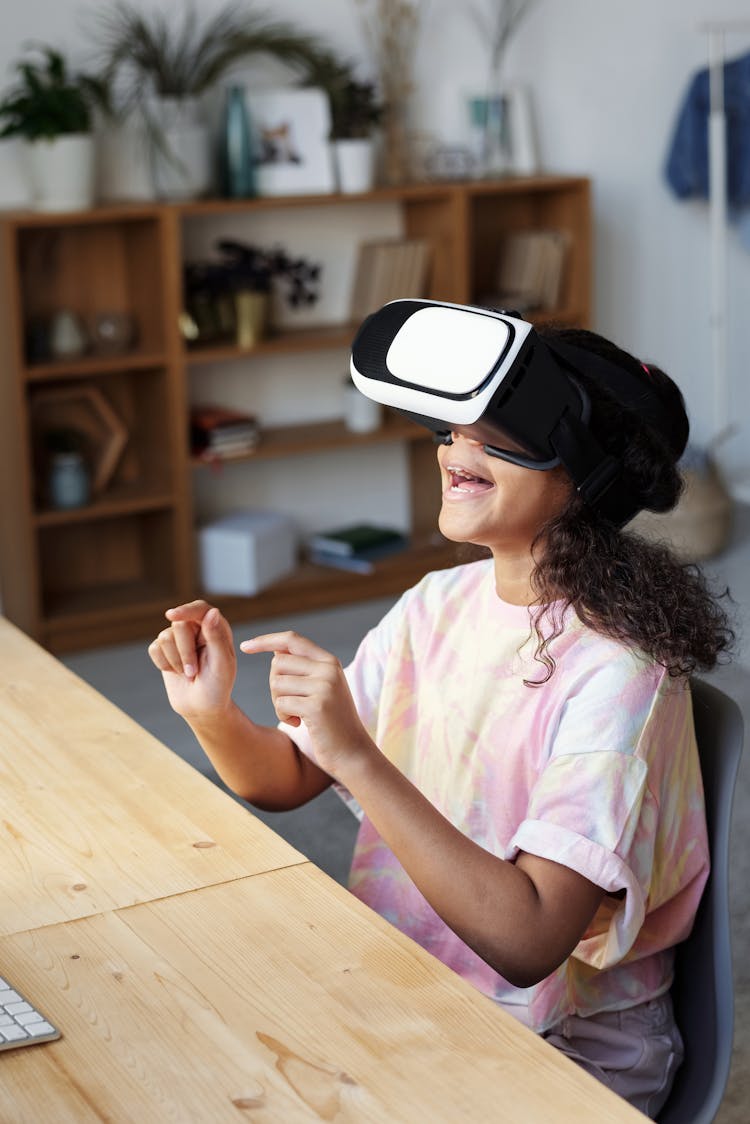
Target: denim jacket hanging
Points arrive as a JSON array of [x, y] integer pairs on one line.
[[687, 170]]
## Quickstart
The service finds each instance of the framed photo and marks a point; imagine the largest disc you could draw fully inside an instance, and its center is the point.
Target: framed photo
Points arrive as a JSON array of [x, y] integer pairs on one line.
[[291, 149]]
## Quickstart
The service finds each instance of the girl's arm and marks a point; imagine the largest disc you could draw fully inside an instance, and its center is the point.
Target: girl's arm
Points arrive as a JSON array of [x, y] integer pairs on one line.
[[523, 918], [198, 664]]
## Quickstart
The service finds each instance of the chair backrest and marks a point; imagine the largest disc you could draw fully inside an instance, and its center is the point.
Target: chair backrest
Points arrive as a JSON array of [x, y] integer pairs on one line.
[[703, 990]]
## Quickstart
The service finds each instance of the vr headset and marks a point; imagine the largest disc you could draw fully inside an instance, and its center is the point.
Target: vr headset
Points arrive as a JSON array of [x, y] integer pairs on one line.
[[488, 375]]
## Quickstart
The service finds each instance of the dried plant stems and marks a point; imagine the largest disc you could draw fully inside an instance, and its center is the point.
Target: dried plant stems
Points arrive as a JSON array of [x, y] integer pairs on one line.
[[393, 30]]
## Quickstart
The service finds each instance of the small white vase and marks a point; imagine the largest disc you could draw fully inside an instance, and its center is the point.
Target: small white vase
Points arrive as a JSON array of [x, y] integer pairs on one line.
[[181, 159], [61, 172], [355, 164], [361, 414], [123, 161]]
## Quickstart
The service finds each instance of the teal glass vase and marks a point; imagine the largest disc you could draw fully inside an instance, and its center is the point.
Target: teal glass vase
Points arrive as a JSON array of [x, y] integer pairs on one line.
[[238, 181]]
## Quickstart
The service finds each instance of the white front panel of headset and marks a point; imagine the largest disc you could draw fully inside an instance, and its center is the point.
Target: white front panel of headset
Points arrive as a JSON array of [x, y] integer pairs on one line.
[[447, 350]]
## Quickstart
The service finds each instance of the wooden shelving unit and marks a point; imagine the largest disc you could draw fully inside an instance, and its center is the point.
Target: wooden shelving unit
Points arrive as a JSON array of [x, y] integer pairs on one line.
[[104, 573]]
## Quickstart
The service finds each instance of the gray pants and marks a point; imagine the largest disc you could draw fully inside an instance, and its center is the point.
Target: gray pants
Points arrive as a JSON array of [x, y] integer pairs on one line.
[[636, 1052]]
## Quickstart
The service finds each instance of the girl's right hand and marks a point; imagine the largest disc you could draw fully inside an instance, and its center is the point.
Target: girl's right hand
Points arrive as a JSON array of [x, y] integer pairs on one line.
[[197, 660]]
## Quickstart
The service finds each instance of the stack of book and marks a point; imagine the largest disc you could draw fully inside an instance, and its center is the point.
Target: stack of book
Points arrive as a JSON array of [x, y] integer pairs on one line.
[[531, 270], [217, 432], [389, 269], [356, 547]]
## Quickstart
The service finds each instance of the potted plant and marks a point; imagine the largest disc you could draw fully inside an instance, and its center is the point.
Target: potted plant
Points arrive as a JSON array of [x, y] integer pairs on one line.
[[230, 296], [356, 113], [162, 65], [50, 108]]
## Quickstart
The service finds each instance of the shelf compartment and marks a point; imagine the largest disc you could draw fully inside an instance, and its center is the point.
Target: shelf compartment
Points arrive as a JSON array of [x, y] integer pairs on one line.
[[318, 437], [139, 401], [92, 267], [107, 566]]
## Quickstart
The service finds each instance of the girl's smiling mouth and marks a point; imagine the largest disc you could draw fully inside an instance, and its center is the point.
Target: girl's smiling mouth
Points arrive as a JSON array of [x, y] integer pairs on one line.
[[463, 482]]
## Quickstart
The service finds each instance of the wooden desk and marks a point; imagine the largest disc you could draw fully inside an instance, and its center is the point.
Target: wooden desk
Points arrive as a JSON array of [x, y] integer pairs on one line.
[[271, 995], [95, 813]]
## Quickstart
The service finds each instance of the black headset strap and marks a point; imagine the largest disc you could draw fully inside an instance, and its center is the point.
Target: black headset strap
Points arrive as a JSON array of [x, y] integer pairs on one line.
[[626, 387], [595, 473]]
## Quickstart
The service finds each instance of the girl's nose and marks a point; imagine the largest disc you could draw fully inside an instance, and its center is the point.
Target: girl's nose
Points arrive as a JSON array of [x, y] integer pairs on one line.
[[471, 440]]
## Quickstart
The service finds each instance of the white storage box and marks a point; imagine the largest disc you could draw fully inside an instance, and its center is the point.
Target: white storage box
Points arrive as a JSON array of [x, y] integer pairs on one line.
[[246, 551]]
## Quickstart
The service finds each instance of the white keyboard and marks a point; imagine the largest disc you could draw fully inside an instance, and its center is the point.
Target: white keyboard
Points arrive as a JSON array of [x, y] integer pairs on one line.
[[20, 1022]]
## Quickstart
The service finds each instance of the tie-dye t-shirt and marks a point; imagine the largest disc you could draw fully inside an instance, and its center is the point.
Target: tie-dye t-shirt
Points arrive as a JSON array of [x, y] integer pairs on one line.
[[597, 770]]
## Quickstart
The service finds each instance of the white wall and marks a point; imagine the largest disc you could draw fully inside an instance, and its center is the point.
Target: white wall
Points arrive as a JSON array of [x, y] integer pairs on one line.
[[607, 79]]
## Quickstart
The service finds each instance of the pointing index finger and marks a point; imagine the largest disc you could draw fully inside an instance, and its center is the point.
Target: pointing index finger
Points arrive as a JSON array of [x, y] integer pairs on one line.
[[290, 642]]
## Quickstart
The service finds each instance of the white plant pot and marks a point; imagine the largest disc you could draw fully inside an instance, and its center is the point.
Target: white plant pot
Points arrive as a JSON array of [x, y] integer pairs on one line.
[[182, 165], [355, 164], [61, 172], [14, 187], [123, 159]]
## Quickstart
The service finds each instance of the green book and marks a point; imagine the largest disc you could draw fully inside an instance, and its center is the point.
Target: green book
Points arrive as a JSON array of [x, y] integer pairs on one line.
[[356, 538]]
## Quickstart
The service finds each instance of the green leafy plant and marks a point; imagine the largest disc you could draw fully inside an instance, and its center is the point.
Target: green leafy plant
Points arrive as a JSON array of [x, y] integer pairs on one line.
[[49, 101]]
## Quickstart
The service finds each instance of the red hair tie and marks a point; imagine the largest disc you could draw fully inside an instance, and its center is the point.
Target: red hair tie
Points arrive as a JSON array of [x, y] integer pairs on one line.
[[646, 369]]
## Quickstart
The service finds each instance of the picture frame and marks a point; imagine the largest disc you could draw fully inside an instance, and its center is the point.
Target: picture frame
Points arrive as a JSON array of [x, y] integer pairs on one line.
[[290, 131]]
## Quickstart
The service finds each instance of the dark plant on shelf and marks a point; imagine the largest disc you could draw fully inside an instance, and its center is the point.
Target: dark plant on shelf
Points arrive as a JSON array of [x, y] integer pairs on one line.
[[49, 100], [250, 267], [210, 288]]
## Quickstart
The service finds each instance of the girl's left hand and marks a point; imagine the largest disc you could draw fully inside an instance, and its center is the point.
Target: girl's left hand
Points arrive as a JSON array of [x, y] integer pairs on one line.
[[308, 685]]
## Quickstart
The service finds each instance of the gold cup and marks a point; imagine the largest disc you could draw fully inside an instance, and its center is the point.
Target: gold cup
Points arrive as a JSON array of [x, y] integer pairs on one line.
[[251, 309]]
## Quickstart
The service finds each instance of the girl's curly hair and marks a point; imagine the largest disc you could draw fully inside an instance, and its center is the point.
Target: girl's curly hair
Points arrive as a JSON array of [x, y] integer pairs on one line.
[[617, 582]]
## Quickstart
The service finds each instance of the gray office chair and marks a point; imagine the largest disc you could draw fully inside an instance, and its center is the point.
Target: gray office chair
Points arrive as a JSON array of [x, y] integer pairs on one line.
[[703, 990]]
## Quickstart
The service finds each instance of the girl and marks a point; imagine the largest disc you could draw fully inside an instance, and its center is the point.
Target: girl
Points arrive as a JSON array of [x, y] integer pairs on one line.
[[518, 735]]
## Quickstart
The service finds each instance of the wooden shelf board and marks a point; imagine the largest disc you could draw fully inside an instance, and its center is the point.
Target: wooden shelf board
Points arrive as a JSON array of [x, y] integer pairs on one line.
[[316, 437], [317, 587], [83, 609], [127, 500], [299, 339], [89, 366], [102, 213]]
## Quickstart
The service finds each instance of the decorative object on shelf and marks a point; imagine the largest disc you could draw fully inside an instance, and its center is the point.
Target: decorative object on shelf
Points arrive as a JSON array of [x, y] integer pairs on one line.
[[357, 547], [450, 162], [51, 108], [245, 551], [86, 411], [123, 160], [68, 476], [389, 269], [218, 304], [67, 336], [393, 29], [160, 65], [500, 119], [113, 333], [531, 271], [290, 129], [251, 314], [217, 432], [237, 177], [490, 133], [361, 414], [182, 165], [356, 112]]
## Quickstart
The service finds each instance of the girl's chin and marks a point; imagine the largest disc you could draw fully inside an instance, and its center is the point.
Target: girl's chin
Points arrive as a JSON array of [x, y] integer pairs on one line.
[[460, 531]]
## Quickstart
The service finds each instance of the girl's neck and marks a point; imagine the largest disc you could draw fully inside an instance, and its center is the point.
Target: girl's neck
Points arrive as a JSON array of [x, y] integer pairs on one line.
[[513, 579]]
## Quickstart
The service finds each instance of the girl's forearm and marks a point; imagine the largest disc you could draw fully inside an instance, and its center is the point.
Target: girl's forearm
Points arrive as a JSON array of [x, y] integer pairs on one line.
[[493, 905], [259, 763]]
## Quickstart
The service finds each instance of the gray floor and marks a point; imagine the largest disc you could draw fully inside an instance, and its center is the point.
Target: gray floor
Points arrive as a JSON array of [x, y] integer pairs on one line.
[[324, 829]]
